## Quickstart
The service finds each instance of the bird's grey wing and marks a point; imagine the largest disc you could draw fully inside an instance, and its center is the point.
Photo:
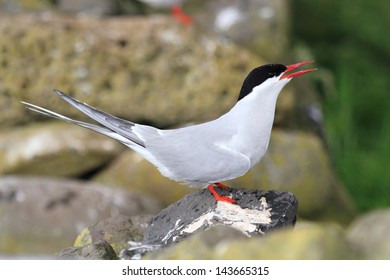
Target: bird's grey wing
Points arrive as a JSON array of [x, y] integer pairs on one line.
[[120, 126], [197, 155]]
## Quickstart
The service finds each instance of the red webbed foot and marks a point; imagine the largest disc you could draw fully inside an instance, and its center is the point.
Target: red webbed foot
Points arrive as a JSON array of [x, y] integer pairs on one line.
[[219, 197]]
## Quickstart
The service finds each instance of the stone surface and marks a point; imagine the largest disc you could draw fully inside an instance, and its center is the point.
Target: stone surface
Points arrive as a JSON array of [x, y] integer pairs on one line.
[[41, 215], [25, 5], [202, 245], [89, 7], [254, 213], [117, 231], [149, 70], [369, 234], [54, 149], [99, 250], [243, 21], [307, 241]]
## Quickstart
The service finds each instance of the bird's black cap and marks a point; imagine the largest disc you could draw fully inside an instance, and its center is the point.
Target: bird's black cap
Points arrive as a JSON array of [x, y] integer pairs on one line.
[[258, 75]]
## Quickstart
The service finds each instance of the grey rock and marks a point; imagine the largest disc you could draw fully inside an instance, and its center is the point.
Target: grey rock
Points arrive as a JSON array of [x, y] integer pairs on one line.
[[255, 213], [25, 5], [117, 230], [87, 7], [41, 215], [370, 236], [54, 149], [241, 21]]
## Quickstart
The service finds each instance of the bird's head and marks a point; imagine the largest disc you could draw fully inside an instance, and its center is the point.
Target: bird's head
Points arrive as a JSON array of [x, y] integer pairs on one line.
[[272, 76]]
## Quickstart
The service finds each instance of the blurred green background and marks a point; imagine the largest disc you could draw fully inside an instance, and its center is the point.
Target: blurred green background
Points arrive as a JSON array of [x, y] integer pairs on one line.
[[352, 39]]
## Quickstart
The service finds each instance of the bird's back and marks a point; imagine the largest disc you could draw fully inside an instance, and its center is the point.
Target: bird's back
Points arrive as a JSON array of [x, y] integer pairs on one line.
[[197, 155]]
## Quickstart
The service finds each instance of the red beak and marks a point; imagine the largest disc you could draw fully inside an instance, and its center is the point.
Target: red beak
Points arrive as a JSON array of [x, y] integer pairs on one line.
[[288, 75]]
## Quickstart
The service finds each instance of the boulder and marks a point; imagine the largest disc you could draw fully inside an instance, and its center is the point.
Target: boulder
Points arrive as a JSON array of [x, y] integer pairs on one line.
[[54, 149], [117, 231], [149, 70], [369, 234], [202, 245], [42, 216], [25, 5], [242, 23], [99, 250], [307, 241]]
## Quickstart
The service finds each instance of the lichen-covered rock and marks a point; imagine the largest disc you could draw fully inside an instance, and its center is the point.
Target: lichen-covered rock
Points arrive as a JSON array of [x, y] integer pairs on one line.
[[369, 234], [42, 216], [117, 231], [87, 7], [200, 246], [242, 22], [143, 69], [25, 5], [307, 241], [99, 250], [54, 149]]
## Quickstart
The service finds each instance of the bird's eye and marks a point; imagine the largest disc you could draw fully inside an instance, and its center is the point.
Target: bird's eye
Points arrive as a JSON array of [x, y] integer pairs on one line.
[[271, 74]]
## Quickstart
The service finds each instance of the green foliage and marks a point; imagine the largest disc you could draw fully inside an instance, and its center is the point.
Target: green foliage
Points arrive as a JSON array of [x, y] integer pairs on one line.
[[351, 38]]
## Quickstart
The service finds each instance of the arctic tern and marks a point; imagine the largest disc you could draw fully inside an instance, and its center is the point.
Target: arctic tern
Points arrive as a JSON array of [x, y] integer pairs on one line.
[[208, 153]]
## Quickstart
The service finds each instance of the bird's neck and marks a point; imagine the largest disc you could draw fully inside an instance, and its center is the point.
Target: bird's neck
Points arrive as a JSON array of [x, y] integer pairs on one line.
[[253, 118], [258, 108]]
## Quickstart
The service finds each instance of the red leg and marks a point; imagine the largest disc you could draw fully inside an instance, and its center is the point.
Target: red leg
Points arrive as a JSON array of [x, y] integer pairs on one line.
[[181, 16], [217, 196]]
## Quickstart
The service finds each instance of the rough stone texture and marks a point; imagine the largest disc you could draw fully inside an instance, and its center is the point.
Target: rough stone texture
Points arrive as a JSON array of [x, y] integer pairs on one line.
[[25, 5], [369, 234], [40, 215], [202, 245], [54, 149], [99, 250], [243, 21], [307, 241], [255, 213], [90, 7], [117, 230], [143, 69]]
